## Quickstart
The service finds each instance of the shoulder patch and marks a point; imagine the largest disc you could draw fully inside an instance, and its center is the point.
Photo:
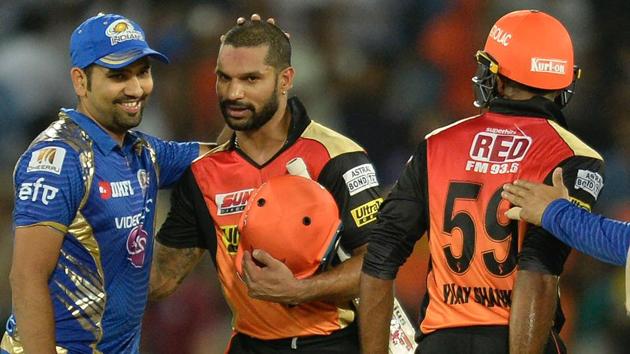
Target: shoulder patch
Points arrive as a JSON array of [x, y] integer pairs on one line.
[[589, 181], [578, 146], [48, 159], [335, 143], [360, 178]]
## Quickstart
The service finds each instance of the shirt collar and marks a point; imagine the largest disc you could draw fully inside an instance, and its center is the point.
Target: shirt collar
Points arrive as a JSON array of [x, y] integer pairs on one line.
[[101, 138], [536, 106]]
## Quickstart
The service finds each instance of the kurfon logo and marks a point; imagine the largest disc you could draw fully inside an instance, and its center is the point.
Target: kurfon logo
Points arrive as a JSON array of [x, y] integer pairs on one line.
[[136, 246]]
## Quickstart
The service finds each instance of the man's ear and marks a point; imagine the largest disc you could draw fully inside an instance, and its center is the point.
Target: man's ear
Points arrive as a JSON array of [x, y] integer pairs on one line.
[[79, 81], [286, 79]]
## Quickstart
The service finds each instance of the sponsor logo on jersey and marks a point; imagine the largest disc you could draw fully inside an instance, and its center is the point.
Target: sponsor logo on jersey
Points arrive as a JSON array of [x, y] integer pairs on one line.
[[360, 178], [589, 181], [122, 30], [366, 213], [230, 238], [551, 66], [136, 246], [498, 151], [126, 222], [143, 179], [500, 36], [49, 159], [115, 189], [37, 191], [233, 202]]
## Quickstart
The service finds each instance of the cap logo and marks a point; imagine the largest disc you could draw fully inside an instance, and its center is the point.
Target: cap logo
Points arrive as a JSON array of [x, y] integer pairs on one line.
[[551, 66], [122, 30], [500, 36]]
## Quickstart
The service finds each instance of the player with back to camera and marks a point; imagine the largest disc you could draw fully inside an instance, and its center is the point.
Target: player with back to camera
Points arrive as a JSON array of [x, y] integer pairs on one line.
[[492, 285]]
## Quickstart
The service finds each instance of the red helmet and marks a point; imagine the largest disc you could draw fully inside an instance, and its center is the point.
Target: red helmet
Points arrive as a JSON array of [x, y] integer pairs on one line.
[[529, 47], [295, 220], [532, 48]]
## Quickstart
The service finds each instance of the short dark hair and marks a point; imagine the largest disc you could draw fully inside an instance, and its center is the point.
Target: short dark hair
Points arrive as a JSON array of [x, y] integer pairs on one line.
[[256, 33], [88, 76]]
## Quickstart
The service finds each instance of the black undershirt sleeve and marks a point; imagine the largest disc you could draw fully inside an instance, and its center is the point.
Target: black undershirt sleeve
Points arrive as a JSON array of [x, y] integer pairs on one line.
[[541, 251], [188, 224], [402, 220], [357, 206]]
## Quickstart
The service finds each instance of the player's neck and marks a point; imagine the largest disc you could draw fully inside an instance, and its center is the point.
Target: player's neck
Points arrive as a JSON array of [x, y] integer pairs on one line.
[[262, 144], [117, 137]]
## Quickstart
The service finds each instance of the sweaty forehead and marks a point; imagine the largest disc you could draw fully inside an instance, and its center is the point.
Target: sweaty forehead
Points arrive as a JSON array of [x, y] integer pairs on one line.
[[234, 60]]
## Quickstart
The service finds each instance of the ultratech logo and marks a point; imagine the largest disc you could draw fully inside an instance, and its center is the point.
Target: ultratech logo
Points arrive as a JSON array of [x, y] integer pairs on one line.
[[366, 213], [551, 66], [233, 202], [230, 238], [48, 159], [497, 151]]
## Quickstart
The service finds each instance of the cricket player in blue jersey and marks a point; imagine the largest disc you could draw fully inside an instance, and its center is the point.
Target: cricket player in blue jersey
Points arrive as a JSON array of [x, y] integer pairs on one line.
[[605, 239], [85, 193]]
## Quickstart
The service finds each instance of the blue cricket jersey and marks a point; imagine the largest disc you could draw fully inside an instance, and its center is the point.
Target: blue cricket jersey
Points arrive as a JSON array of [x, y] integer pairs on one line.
[[605, 239], [75, 178]]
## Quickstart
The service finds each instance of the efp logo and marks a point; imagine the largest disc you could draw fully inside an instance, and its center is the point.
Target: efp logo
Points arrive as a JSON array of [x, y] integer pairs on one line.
[[136, 246]]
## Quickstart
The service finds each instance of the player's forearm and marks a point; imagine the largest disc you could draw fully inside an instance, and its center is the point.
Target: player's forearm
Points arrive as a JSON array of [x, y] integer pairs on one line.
[[338, 284], [169, 268], [605, 239], [533, 309], [375, 313], [33, 310]]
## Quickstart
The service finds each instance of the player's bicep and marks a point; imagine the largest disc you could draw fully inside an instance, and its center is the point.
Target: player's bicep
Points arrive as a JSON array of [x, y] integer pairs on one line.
[[584, 178], [35, 252], [353, 182]]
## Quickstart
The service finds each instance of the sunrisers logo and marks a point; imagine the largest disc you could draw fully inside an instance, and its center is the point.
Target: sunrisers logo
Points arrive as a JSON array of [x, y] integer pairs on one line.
[[233, 202]]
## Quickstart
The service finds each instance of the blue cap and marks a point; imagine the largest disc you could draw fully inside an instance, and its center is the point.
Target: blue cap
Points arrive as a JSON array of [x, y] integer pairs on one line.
[[109, 40]]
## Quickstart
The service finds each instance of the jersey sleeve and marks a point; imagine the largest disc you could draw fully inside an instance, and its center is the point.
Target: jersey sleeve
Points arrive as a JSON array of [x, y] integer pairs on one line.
[[352, 181], [401, 222], [48, 186], [543, 252], [183, 227], [605, 239], [173, 158]]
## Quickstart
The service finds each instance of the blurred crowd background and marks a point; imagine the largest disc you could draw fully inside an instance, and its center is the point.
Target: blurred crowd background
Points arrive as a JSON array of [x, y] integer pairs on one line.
[[384, 72]]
